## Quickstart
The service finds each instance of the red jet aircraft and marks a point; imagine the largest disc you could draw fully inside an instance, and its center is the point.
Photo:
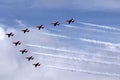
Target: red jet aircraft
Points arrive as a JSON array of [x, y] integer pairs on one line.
[[56, 23], [40, 27], [25, 30], [17, 43], [70, 21], [9, 34], [37, 64], [24, 51], [30, 58]]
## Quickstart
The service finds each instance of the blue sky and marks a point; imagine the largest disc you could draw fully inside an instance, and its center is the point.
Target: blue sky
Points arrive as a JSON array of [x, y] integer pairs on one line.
[[66, 52], [45, 11]]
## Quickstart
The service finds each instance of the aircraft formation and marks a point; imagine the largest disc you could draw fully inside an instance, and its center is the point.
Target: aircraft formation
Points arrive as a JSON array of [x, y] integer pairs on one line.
[[17, 43]]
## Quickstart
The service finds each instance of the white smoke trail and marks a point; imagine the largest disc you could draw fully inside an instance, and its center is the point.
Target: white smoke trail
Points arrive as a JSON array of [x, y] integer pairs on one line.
[[79, 59], [86, 71], [85, 40], [71, 51], [56, 35], [81, 28], [54, 61], [71, 26], [76, 27], [53, 29], [100, 42], [100, 26]]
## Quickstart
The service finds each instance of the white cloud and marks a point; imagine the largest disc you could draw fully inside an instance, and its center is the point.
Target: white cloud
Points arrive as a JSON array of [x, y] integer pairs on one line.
[[13, 65], [96, 4], [100, 26], [20, 23], [65, 4], [78, 4], [1, 34], [108, 45]]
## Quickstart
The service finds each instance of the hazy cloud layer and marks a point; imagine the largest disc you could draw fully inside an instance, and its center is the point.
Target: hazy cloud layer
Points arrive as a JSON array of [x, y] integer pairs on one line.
[[13, 65], [64, 4], [90, 50]]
